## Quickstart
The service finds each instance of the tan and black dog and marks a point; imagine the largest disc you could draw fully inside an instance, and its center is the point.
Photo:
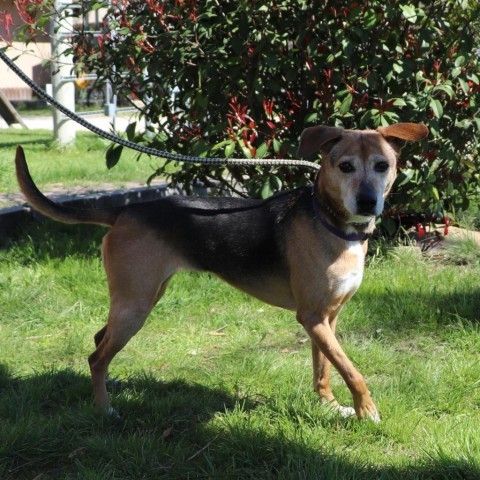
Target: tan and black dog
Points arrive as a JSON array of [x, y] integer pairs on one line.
[[302, 250]]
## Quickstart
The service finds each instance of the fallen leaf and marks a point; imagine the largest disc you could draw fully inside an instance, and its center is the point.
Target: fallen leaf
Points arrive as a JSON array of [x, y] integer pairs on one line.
[[77, 452]]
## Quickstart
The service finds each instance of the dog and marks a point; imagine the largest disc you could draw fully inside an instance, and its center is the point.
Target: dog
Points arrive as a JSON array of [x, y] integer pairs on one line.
[[301, 249]]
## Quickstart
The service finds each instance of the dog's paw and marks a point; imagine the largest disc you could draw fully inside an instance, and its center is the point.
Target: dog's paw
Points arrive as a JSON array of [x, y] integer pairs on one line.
[[113, 413], [335, 408], [114, 384], [346, 412], [374, 417]]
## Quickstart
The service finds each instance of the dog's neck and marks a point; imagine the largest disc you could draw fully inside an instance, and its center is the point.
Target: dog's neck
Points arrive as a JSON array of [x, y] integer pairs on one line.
[[335, 222]]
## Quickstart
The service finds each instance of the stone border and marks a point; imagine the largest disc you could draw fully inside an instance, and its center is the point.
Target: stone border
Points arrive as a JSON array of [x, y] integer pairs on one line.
[[12, 218]]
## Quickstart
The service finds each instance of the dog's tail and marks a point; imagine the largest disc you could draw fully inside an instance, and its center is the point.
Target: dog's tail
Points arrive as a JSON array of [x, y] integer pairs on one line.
[[103, 216]]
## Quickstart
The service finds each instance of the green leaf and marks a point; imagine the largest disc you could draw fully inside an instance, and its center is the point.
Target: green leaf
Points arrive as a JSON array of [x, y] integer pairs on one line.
[[398, 67], [464, 85], [389, 225], [229, 149], [276, 182], [245, 150], [436, 106], [266, 189], [459, 61], [369, 19], [272, 185], [456, 72], [400, 102], [98, 5], [447, 89], [113, 155], [219, 145], [473, 78], [420, 76], [409, 13], [346, 104], [405, 176], [383, 121], [130, 131], [261, 150], [276, 145], [200, 100], [366, 118]]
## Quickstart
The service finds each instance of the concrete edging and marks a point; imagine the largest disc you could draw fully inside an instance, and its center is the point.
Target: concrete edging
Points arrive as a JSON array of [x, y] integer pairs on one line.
[[12, 218]]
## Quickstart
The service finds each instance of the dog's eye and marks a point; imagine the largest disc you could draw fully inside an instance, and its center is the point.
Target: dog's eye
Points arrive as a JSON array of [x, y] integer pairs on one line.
[[381, 167], [346, 167]]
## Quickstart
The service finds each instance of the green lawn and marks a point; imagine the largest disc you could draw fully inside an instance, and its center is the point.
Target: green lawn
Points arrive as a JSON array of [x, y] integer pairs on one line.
[[218, 385], [80, 165]]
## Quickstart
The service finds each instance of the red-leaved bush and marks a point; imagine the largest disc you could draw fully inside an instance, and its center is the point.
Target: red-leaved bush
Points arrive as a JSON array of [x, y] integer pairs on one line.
[[244, 78]]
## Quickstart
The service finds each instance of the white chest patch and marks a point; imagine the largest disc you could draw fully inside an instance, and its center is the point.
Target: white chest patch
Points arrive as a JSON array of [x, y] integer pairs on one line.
[[348, 283]]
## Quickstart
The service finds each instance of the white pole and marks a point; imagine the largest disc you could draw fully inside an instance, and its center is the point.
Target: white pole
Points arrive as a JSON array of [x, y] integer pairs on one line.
[[63, 91]]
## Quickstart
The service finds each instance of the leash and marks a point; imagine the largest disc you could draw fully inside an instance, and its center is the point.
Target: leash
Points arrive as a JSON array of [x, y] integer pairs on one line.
[[148, 150]]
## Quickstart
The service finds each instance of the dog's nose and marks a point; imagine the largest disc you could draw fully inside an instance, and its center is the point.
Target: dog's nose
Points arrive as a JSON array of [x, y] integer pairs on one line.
[[366, 202]]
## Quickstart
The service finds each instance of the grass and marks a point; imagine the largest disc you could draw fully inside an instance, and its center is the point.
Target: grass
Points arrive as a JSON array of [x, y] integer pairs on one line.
[[80, 165], [218, 385]]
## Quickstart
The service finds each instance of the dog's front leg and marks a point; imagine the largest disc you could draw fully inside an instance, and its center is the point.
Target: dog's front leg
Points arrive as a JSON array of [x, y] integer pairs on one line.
[[321, 377], [323, 338]]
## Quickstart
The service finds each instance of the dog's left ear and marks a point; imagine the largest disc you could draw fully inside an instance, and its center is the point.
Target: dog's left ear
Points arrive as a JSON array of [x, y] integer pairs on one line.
[[399, 133]]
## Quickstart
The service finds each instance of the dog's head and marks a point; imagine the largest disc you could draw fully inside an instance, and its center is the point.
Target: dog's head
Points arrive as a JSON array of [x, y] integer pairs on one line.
[[358, 167]]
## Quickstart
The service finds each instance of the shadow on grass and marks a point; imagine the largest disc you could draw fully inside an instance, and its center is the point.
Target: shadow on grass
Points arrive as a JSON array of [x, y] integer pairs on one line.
[[46, 238], [45, 140], [415, 308], [168, 430]]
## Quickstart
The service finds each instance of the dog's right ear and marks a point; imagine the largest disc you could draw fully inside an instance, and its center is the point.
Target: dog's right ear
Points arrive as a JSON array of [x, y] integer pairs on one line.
[[318, 139]]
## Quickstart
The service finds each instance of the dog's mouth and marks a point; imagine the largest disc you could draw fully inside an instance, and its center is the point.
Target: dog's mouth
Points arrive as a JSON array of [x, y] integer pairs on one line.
[[360, 219]]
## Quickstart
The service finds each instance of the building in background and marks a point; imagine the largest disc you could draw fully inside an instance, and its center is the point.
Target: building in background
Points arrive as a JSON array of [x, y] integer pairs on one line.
[[32, 59]]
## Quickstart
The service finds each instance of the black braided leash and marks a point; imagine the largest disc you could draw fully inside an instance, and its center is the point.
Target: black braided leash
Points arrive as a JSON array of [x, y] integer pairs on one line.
[[147, 150]]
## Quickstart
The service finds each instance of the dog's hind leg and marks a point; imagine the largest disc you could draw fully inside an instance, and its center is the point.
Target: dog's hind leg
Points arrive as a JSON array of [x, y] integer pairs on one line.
[[99, 336], [138, 271], [123, 323]]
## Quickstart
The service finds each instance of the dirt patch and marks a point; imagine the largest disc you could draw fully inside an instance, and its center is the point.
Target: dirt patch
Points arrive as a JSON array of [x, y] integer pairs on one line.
[[443, 242]]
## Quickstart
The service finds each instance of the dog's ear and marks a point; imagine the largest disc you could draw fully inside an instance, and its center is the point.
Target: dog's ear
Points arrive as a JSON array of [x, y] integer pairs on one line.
[[399, 133], [316, 139]]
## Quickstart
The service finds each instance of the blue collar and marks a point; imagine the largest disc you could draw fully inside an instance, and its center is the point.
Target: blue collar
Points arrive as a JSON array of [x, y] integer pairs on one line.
[[350, 237]]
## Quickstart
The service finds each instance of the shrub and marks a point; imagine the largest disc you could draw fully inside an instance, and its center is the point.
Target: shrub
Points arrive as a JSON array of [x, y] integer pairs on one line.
[[244, 78]]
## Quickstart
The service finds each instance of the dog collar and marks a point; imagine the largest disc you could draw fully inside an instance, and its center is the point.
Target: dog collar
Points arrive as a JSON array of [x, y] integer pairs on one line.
[[350, 237]]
